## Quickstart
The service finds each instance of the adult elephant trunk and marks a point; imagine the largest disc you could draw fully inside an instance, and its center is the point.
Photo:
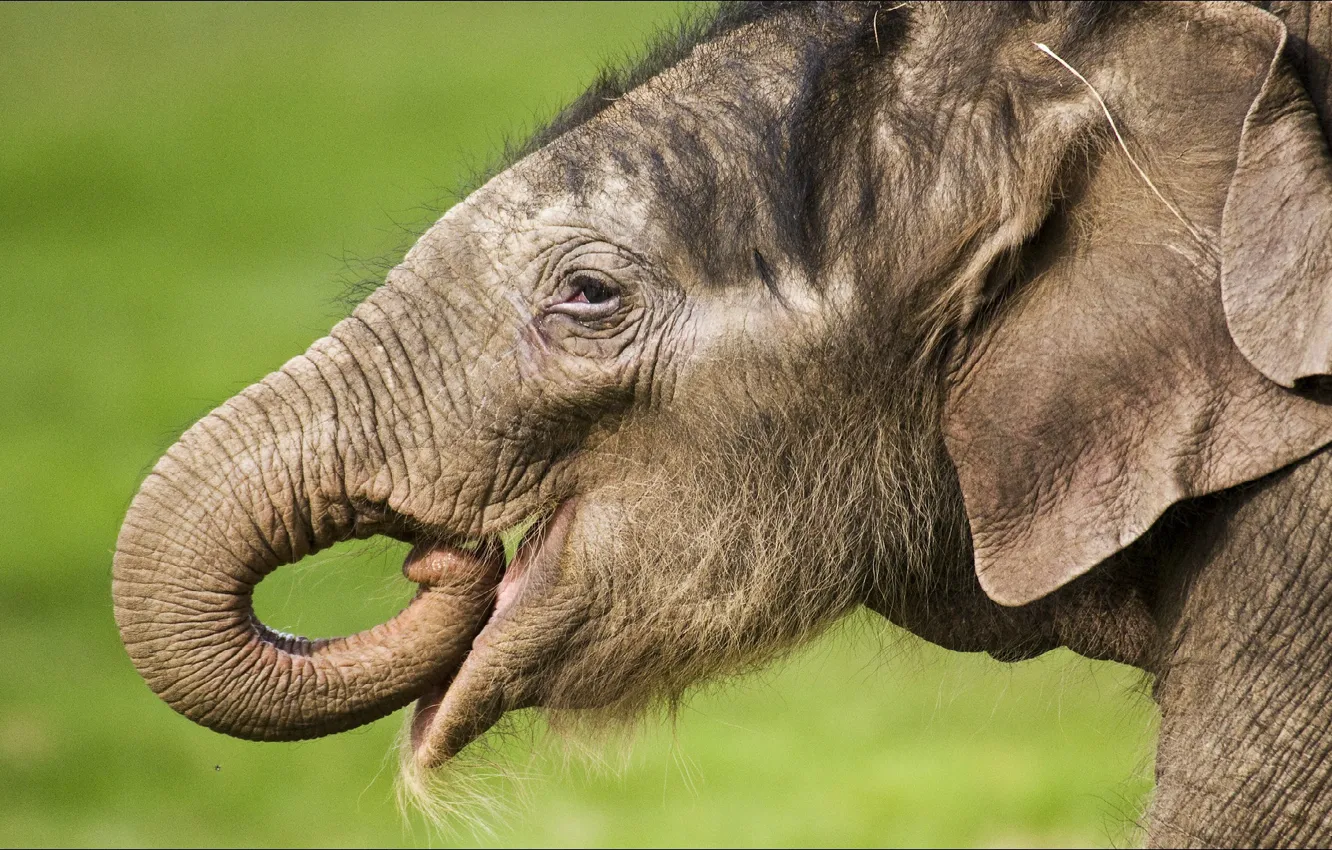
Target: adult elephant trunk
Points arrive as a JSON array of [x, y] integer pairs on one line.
[[319, 452]]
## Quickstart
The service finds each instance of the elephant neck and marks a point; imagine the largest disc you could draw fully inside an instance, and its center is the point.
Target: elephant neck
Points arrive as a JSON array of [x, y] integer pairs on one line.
[[1244, 681]]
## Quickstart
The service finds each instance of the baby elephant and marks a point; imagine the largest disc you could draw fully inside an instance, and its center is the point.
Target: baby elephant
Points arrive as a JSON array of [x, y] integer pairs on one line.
[[1011, 322]]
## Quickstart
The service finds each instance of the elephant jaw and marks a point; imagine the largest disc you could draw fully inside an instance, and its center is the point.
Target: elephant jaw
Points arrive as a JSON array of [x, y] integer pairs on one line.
[[461, 707]]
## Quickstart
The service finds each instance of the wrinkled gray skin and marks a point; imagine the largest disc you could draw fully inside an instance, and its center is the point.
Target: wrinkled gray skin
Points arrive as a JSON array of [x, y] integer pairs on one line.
[[843, 305]]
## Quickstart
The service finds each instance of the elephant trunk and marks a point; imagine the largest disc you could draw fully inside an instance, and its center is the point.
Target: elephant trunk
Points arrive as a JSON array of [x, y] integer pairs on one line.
[[310, 456]]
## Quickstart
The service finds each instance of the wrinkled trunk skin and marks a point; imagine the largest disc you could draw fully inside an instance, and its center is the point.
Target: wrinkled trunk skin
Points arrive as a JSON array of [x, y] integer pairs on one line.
[[1245, 682], [334, 446]]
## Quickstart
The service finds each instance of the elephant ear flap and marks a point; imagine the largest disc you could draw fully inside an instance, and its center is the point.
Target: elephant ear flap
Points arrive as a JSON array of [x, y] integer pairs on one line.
[[1114, 379], [1276, 236]]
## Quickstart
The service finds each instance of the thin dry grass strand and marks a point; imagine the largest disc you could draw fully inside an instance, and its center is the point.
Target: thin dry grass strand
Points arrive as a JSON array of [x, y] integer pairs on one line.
[[1188, 225], [878, 48]]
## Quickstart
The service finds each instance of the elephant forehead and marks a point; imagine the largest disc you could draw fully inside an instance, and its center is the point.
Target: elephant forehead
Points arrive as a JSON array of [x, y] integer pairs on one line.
[[759, 67], [633, 164], [518, 213]]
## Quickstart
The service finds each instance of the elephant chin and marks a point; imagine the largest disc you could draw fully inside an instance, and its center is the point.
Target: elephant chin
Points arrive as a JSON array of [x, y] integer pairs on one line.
[[461, 707]]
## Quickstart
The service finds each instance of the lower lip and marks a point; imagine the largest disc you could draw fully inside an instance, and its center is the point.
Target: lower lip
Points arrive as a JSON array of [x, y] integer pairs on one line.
[[542, 544]]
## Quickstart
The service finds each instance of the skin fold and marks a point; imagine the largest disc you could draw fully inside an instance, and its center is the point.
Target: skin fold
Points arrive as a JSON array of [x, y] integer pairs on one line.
[[822, 306]]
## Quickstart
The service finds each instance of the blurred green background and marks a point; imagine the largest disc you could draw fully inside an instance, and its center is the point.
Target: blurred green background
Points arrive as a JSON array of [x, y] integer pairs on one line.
[[185, 193]]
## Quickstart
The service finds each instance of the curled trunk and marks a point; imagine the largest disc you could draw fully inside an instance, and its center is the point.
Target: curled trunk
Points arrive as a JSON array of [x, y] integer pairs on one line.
[[304, 459]]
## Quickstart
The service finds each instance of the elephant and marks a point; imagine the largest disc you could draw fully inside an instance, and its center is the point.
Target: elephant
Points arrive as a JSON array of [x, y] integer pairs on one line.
[[1006, 321]]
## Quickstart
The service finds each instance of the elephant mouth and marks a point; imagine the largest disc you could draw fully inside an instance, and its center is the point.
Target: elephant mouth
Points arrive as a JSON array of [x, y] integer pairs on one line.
[[456, 710]]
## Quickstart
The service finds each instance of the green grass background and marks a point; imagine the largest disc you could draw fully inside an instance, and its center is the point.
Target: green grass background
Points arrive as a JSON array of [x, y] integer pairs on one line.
[[185, 192]]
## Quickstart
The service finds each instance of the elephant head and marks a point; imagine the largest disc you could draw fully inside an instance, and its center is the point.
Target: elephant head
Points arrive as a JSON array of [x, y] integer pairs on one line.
[[928, 309]]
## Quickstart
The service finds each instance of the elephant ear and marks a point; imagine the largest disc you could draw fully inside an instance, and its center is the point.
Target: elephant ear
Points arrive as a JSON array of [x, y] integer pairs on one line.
[[1276, 237], [1143, 359]]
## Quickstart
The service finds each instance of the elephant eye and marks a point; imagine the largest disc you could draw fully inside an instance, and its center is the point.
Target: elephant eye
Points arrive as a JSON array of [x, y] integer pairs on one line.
[[588, 297], [592, 291]]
